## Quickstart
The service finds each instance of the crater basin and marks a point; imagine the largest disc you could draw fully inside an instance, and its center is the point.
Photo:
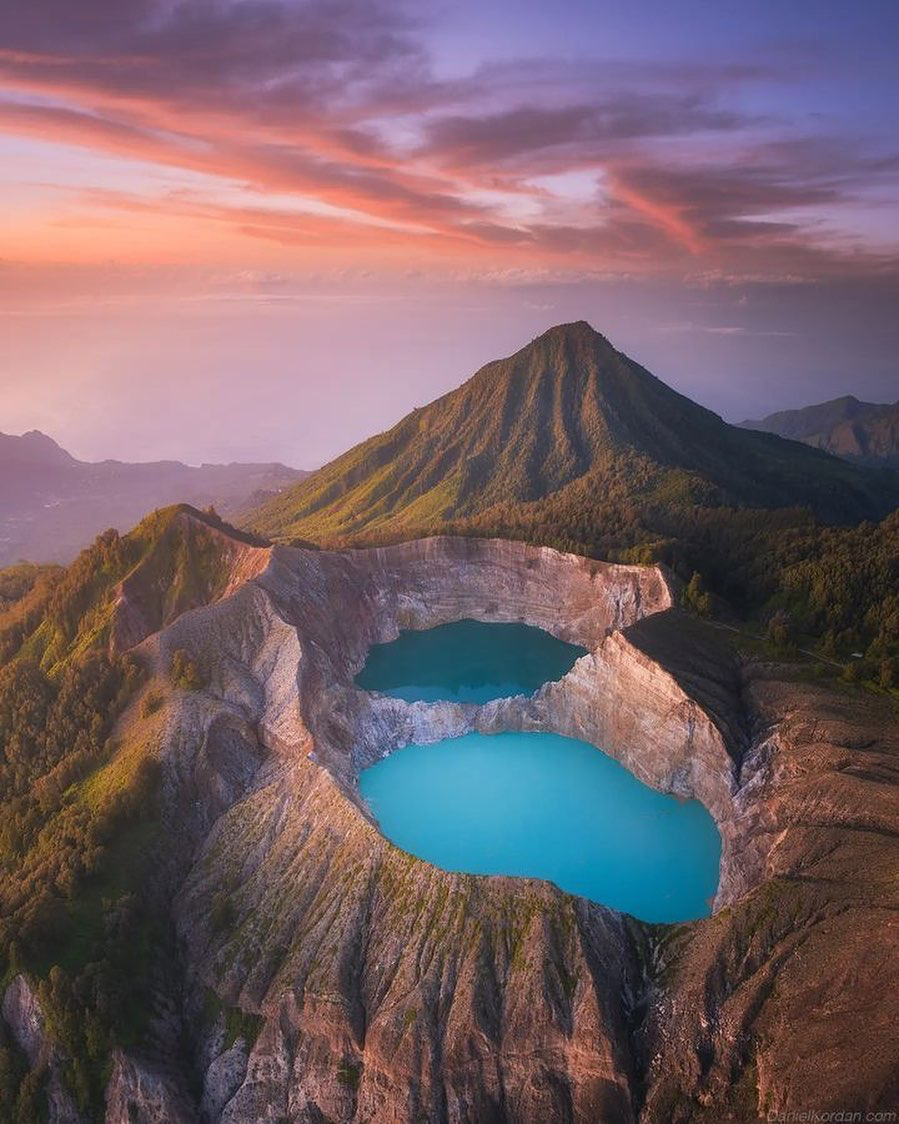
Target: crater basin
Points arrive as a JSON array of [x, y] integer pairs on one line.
[[545, 806], [467, 661]]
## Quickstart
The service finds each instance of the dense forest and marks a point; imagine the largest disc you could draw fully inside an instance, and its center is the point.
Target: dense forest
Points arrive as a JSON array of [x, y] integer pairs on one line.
[[780, 572]]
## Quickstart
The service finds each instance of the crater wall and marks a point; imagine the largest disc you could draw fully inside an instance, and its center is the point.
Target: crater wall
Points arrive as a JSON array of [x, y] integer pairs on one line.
[[618, 697], [324, 975]]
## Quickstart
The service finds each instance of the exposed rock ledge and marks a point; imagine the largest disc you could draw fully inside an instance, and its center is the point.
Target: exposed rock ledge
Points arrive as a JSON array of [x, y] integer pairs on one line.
[[387, 990]]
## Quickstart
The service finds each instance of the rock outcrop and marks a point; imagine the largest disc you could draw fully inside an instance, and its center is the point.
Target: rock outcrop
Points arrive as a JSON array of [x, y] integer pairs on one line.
[[325, 975], [22, 1014]]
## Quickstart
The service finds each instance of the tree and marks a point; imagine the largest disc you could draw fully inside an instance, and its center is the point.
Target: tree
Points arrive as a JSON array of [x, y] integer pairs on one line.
[[185, 672], [696, 597], [782, 632]]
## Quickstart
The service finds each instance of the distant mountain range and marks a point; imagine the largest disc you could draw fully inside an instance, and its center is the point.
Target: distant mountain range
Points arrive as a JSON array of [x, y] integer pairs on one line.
[[867, 432], [570, 423], [52, 505]]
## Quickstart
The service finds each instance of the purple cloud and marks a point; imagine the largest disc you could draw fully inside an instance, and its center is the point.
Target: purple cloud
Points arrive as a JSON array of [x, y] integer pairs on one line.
[[338, 100]]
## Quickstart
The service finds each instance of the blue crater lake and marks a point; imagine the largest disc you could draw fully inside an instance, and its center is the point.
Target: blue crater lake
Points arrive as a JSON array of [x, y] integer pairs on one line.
[[544, 806], [467, 661]]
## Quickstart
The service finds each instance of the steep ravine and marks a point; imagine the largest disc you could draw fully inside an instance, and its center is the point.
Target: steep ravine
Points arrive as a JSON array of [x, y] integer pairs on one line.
[[324, 975]]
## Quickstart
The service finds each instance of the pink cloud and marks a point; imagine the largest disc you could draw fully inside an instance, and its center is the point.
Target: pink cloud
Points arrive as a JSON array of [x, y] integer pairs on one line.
[[336, 101]]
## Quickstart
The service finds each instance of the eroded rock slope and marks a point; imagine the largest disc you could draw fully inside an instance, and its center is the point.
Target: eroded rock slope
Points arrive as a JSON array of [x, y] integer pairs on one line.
[[324, 975]]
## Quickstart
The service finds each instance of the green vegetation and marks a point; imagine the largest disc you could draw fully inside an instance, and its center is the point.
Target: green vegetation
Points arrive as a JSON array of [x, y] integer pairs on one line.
[[349, 1073], [22, 1096], [570, 444], [222, 913], [75, 844], [185, 673], [241, 1024], [18, 581], [696, 597], [168, 564], [237, 1023], [151, 702], [79, 830]]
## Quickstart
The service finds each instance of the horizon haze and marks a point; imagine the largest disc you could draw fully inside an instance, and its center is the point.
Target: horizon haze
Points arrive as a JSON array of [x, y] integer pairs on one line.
[[264, 231]]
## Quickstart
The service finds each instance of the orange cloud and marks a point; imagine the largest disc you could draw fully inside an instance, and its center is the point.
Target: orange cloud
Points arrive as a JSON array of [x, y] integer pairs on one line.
[[335, 104], [665, 216]]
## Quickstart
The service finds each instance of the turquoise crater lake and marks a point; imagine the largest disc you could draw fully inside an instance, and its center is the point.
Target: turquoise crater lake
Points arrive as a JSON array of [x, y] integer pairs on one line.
[[467, 661], [543, 806]]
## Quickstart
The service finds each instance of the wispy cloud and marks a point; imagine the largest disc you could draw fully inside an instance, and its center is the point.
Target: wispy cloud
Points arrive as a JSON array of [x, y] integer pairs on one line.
[[338, 103]]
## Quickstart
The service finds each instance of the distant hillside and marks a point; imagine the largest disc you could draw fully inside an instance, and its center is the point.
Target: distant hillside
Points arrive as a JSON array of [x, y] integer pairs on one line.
[[866, 432], [52, 505], [573, 425]]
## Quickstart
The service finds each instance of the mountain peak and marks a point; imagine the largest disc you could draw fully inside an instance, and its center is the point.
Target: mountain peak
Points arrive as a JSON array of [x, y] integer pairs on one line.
[[33, 448], [566, 409], [576, 331], [847, 427], [571, 328]]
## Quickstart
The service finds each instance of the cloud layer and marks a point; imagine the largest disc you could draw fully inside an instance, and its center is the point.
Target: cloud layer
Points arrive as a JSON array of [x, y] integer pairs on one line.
[[267, 228], [328, 125]]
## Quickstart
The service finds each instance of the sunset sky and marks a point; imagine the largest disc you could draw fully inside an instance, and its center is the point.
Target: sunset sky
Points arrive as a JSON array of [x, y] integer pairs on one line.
[[265, 229]]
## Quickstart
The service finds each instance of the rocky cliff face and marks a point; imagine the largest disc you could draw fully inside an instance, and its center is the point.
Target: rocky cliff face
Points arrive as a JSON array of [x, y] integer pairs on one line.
[[22, 1014], [325, 975]]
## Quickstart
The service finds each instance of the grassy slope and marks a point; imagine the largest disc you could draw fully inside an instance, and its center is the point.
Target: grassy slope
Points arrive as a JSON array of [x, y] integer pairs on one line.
[[78, 825], [566, 410]]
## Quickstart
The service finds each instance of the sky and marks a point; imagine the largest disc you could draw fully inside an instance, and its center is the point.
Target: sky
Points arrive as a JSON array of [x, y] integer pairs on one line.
[[265, 229]]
